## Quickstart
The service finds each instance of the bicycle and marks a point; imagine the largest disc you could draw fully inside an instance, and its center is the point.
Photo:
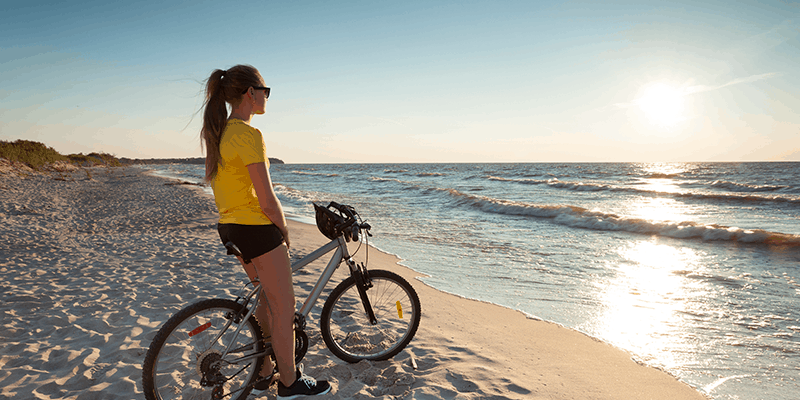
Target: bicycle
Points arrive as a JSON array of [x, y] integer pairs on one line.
[[216, 345]]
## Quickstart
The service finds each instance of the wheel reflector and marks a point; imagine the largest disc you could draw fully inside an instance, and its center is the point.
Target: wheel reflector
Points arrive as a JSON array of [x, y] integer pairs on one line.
[[199, 329]]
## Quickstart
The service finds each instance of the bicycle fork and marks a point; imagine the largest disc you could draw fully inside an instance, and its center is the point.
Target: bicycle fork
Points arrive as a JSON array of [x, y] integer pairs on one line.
[[363, 283]]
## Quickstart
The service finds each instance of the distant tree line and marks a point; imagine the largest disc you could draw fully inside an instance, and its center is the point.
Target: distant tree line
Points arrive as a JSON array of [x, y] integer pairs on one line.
[[37, 156], [193, 160]]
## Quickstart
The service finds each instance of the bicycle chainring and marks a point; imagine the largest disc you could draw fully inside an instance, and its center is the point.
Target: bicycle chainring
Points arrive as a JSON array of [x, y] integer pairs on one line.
[[300, 345]]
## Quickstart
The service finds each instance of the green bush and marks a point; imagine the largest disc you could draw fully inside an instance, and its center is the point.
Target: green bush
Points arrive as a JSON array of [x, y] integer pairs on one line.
[[94, 159], [106, 159], [36, 155]]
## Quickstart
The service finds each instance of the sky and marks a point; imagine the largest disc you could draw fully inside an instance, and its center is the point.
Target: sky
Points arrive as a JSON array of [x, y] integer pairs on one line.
[[413, 81]]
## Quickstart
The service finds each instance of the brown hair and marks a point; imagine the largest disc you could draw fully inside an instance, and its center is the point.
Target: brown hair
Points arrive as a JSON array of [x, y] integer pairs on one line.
[[223, 87]]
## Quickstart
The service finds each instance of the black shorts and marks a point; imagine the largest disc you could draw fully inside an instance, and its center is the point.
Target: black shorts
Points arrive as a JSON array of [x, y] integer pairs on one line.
[[252, 240]]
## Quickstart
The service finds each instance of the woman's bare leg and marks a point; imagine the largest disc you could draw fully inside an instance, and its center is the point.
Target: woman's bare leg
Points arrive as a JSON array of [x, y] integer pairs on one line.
[[262, 316], [275, 274]]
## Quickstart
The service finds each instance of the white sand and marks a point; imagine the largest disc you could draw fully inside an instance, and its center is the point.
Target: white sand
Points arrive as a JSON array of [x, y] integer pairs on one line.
[[91, 264]]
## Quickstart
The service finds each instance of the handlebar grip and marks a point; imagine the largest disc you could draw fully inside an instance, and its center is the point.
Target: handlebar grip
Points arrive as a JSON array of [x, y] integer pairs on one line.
[[348, 211]]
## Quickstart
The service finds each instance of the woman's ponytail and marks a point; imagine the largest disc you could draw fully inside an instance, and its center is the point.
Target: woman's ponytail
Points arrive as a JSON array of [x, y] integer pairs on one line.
[[215, 117]]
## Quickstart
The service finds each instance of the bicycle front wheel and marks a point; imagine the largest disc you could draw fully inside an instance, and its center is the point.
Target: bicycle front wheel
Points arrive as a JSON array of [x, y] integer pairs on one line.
[[347, 329], [185, 359]]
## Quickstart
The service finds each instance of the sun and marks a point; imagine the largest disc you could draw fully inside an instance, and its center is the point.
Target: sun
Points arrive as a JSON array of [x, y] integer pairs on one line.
[[663, 104]]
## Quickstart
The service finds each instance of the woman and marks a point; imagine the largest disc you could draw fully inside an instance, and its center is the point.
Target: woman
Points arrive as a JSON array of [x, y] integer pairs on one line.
[[251, 216]]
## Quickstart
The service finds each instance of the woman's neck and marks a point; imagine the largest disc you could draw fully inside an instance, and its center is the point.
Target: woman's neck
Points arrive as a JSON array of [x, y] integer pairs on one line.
[[241, 116]]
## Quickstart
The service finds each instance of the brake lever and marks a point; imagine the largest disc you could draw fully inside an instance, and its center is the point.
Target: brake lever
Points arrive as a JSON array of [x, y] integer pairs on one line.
[[366, 227]]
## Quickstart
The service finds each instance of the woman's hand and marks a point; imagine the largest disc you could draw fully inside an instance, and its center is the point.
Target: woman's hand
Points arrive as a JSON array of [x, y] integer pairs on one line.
[[285, 232]]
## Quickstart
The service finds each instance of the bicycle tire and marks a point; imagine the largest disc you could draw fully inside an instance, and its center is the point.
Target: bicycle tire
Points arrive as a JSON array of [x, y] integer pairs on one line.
[[347, 330], [183, 347]]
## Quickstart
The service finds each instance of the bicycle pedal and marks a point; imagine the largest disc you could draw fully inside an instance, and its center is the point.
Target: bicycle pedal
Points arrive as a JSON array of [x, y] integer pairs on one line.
[[300, 321]]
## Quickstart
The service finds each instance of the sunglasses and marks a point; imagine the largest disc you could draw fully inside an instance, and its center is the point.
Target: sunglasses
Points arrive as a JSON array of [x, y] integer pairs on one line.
[[265, 89]]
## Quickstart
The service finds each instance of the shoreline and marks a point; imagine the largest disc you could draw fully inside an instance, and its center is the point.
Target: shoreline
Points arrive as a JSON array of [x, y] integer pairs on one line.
[[93, 266]]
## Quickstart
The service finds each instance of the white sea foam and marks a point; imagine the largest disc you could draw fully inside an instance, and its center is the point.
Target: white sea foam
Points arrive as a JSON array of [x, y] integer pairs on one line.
[[579, 217], [710, 387], [751, 193], [743, 187], [314, 173]]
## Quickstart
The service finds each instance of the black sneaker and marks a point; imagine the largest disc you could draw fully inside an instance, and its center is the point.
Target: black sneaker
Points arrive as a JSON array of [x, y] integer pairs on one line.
[[263, 383], [303, 386]]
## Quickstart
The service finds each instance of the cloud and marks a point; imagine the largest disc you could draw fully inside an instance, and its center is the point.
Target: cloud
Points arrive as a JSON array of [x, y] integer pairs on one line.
[[706, 88]]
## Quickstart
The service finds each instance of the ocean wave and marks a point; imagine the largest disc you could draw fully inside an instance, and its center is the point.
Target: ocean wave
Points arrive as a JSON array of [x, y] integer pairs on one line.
[[744, 198], [662, 175], [189, 174], [554, 182], [314, 173], [394, 180], [579, 217], [743, 187], [599, 187], [294, 195]]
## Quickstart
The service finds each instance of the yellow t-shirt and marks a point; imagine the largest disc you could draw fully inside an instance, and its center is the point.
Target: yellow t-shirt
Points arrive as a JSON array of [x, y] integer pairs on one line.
[[234, 193]]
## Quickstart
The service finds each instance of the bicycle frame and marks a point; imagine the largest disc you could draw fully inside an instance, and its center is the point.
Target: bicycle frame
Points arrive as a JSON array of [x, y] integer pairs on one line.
[[341, 254]]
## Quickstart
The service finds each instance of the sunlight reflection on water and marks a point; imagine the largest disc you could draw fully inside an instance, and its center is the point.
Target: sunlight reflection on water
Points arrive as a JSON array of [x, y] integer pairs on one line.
[[659, 210], [660, 185], [647, 301]]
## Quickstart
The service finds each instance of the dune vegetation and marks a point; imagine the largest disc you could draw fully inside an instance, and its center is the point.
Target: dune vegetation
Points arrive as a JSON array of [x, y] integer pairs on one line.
[[38, 156]]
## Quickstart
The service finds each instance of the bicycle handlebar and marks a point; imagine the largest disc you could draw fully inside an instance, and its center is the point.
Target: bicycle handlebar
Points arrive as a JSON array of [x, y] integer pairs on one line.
[[351, 221]]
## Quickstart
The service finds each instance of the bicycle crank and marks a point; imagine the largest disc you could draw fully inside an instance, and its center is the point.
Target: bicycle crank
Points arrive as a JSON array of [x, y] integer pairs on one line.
[[300, 344]]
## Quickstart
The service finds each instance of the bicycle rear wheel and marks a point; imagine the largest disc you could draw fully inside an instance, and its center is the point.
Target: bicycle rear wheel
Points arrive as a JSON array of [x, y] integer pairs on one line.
[[347, 330], [185, 362]]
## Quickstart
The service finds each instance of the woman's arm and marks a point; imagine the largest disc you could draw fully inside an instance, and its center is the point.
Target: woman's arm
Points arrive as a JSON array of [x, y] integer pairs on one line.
[[267, 199]]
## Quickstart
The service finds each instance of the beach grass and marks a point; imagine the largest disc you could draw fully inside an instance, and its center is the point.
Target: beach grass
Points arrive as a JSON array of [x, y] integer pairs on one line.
[[37, 155]]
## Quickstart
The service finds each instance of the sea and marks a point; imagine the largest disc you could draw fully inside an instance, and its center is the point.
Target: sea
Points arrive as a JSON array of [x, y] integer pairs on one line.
[[692, 268]]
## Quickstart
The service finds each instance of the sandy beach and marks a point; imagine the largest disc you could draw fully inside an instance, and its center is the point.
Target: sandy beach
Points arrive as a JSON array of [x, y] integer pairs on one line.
[[93, 261]]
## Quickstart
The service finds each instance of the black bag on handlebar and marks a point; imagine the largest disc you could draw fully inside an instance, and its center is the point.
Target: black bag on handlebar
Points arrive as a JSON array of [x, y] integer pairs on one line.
[[332, 223]]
